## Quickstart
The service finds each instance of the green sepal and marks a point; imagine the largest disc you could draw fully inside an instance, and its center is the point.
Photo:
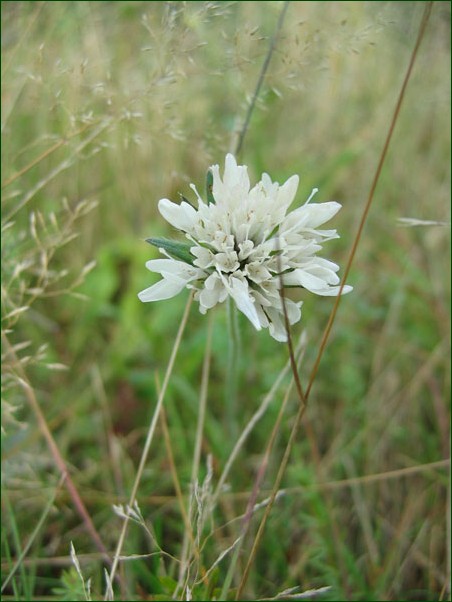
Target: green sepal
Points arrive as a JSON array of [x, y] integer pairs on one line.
[[209, 187], [177, 250]]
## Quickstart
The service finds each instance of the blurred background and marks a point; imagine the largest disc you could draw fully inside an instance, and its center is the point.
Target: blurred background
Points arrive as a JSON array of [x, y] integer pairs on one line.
[[108, 107]]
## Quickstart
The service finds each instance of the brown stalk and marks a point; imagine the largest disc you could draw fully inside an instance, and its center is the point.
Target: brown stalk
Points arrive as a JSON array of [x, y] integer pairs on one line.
[[325, 337], [326, 334], [58, 458]]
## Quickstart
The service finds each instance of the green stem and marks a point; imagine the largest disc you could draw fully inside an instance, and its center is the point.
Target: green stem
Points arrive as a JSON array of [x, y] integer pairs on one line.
[[232, 375]]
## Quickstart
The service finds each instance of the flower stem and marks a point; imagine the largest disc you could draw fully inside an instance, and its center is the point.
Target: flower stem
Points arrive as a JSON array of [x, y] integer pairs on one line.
[[150, 436], [232, 375]]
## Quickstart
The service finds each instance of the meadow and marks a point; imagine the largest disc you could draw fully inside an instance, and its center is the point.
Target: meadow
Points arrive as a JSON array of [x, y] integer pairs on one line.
[[108, 107]]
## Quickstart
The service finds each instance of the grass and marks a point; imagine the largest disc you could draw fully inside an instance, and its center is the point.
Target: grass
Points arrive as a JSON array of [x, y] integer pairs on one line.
[[108, 107]]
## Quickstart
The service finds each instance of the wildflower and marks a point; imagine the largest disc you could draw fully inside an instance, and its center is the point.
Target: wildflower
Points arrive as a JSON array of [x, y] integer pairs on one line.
[[243, 245]]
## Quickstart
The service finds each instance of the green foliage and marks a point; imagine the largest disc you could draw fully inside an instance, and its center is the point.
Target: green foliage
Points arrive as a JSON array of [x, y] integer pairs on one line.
[[177, 250], [71, 587]]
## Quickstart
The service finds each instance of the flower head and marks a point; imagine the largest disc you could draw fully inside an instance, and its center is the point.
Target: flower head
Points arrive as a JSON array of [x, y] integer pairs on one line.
[[244, 244]]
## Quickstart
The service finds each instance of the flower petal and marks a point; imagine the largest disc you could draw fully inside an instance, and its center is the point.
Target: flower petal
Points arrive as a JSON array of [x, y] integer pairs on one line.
[[300, 277], [235, 175], [276, 326], [172, 266], [293, 310], [164, 289], [183, 216], [287, 191], [239, 291], [310, 215], [332, 291], [234, 188]]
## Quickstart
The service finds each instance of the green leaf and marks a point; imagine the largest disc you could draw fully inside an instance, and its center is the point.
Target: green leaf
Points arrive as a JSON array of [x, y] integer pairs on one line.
[[209, 186], [177, 250]]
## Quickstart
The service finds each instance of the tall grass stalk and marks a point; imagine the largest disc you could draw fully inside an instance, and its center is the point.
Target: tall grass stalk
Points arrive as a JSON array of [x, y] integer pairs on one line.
[[256, 417], [303, 397], [252, 501], [187, 541], [232, 375], [149, 437]]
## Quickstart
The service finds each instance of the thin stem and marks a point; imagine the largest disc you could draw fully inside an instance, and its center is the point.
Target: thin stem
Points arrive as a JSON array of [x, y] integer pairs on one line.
[[253, 421], [150, 435], [175, 477], [246, 522], [261, 78], [273, 495], [232, 369], [326, 334], [202, 401], [304, 398], [198, 443]]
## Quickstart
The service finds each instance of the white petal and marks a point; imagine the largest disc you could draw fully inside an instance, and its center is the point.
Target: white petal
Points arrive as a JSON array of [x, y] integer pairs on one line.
[[238, 289], [212, 281], [302, 278], [234, 188], [162, 265], [314, 284], [326, 263], [328, 276], [256, 272], [261, 300], [322, 234], [183, 216], [293, 310], [230, 168], [310, 216], [269, 186], [226, 262], [287, 191], [235, 175], [204, 257], [332, 291], [319, 213], [262, 316], [165, 289], [276, 327], [209, 297], [172, 267]]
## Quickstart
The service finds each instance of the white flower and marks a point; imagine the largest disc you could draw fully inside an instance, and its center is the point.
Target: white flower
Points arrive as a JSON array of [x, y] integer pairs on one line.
[[243, 245]]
